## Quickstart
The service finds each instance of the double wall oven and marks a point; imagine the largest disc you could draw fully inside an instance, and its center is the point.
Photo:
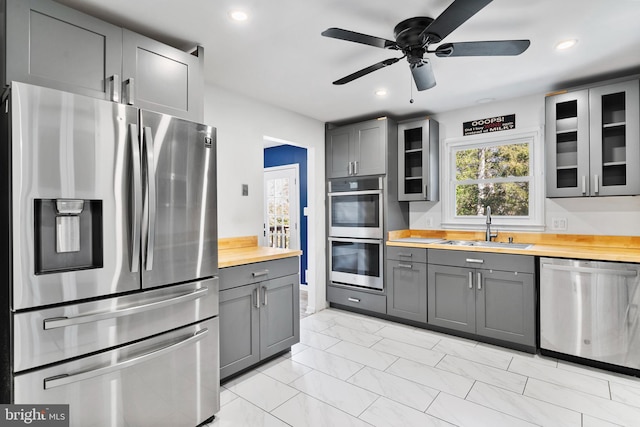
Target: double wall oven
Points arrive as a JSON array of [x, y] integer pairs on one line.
[[356, 231]]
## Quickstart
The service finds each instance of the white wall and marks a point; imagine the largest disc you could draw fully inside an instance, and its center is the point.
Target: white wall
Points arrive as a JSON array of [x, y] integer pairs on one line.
[[588, 215], [242, 124]]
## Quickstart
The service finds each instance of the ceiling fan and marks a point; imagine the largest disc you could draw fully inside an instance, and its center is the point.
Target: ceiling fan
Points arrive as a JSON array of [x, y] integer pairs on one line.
[[415, 35]]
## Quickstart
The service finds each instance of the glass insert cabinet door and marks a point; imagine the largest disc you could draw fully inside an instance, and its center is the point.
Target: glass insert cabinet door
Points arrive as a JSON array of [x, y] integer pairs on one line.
[[592, 141], [615, 143]]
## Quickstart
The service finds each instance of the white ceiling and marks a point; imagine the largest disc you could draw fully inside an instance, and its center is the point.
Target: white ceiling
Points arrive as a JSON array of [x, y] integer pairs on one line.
[[278, 55]]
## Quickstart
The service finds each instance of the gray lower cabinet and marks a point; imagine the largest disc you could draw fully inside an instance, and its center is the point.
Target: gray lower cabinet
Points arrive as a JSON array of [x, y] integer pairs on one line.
[[257, 319], [52, 45], [350, 297], [239, 329], [490, 295], [407, 283]]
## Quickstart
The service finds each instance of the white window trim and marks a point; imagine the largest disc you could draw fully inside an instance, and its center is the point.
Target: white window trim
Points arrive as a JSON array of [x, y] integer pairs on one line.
[[535, 220]]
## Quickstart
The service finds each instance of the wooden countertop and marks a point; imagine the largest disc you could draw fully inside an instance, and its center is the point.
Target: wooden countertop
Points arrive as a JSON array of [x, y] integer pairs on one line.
[[233, 251], [577, 246]]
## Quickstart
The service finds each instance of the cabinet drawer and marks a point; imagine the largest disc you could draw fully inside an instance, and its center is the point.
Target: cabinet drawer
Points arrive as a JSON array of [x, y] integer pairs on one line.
[[231, 277], [485, 260], [357, 299], [407, 254]]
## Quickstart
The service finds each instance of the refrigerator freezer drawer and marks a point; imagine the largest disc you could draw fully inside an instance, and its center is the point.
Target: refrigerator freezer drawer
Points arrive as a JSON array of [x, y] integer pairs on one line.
[[169, 380], [54, 334], [591, 310]]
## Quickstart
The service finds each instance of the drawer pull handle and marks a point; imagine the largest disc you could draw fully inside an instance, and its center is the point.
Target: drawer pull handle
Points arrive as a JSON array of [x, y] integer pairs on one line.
[[65, 379], [405, 266], [62, 322], [405, 254], [354, 299], [475, 261], [260, 273]]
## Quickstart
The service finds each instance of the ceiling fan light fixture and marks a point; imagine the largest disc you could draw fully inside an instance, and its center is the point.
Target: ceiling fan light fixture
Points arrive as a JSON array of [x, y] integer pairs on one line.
[[238, 15], [566, 44]]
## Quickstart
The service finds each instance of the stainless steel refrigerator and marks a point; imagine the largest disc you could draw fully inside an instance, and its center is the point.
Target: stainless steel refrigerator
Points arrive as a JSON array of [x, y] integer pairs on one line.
[[109, 260]]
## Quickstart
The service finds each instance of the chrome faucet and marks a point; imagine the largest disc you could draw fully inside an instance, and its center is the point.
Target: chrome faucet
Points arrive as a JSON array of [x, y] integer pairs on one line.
[[489, 235]]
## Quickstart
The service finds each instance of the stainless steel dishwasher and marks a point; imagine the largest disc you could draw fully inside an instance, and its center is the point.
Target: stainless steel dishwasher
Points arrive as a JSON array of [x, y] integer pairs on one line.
[[590, 309]]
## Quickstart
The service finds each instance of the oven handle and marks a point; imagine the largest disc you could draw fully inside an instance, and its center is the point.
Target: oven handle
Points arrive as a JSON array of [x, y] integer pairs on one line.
[[61, 322], [355, 193], [65, 379], [351, 240]]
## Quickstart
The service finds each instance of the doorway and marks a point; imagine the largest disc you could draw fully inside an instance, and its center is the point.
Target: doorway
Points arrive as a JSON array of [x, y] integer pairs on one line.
[[278, 153]]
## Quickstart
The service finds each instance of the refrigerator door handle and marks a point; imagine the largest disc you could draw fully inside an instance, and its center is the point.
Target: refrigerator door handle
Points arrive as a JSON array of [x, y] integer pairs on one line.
[[137, 198], [151, 198], [61, 322], [61, 380]]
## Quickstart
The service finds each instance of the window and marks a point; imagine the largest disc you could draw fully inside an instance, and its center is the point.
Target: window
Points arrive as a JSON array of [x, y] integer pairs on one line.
[[502, 171]]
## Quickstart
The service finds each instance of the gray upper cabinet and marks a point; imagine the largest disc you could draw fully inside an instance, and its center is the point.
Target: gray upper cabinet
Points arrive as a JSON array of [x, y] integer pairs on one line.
[[592, 141], [488, 295], [357, 149], [51, 45], [418, 160], [161, 78]]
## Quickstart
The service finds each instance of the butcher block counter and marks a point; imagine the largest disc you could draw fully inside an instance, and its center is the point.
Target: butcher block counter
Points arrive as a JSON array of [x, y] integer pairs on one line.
[[575, 246], [234, 251]]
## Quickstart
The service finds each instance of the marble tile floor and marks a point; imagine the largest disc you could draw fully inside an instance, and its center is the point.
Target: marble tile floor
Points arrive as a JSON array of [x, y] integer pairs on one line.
[[354, 370]]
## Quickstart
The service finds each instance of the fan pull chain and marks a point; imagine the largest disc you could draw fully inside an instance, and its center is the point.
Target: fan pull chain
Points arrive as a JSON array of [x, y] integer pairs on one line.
[[411, 89]]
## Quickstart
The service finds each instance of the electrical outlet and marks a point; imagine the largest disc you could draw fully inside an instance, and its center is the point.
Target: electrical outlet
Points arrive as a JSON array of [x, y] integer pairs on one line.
[[429, 222], [558, 224]]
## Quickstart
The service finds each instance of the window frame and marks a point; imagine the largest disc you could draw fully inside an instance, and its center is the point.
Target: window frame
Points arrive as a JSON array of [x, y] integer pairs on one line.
[[535, 220]]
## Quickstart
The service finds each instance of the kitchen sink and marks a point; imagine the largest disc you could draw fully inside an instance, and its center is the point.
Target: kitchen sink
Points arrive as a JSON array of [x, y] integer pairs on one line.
[[485, 244]]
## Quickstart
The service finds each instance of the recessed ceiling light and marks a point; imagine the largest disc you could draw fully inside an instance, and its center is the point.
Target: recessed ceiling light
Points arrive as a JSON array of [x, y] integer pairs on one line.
[[238, 15], [381, 92], [566, 44], [485, 100]]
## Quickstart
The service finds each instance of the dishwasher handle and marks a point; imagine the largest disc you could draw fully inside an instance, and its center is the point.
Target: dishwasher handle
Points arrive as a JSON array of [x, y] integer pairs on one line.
[[591, 270]]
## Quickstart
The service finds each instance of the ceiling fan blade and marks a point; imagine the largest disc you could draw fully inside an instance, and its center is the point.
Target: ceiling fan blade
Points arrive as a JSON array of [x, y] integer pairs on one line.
[[352, 36], [365, 71], [486, 48], [423, 75], [453, 16]]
